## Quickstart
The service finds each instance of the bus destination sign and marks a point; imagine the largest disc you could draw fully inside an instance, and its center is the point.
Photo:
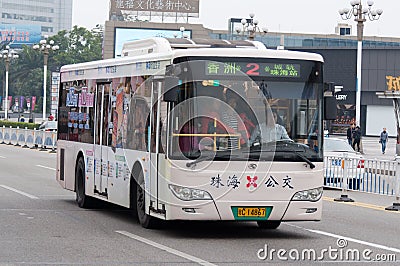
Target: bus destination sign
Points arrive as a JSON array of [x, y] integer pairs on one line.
[[278, 70]]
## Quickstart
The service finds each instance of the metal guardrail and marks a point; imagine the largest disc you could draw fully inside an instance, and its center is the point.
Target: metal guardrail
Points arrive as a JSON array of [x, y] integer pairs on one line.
[[365, 175], [29, 138], [374, 176]]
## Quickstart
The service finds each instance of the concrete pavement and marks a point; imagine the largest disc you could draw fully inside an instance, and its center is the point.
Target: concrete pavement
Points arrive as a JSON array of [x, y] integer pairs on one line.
[[371, 148]]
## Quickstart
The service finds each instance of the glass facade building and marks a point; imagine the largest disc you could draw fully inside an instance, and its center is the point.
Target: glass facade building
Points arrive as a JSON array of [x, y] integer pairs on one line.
[[300, 41], [380, 66], [51, 15]]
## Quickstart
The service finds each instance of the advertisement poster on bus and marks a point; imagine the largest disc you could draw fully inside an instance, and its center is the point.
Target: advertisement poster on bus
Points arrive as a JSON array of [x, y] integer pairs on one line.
[[72, 98], [118, 118], [85, 98]]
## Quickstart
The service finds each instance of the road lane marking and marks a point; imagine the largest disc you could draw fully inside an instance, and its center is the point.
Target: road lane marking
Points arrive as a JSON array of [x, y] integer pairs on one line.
[[19, 192], [360, 204], [165, 248], [46, 167], [362, 242], [2, 157]]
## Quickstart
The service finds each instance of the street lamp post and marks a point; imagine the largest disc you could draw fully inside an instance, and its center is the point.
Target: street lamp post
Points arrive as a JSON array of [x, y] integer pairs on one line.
[[45, 47], [7, 55], [250, 27], [360, 14]]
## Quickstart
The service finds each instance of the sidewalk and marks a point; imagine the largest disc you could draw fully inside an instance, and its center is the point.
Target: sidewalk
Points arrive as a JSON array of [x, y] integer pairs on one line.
[[379, 201], [372, 148]]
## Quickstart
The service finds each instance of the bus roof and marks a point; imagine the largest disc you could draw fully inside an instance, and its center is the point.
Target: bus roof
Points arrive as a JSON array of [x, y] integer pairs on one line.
[[140, 53], [181, 47], [243, 52]]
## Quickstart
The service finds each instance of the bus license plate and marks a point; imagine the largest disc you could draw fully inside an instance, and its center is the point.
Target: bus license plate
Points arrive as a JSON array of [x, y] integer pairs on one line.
[[251, 212]]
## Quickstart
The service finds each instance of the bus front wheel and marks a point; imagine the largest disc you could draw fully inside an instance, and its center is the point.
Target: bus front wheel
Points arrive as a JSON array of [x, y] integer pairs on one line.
[[144, 219], [268, 224], [81, 198]]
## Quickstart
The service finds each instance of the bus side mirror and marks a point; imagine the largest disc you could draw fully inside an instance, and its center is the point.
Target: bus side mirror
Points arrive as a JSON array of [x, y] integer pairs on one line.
[[330, 108], [170, 92]]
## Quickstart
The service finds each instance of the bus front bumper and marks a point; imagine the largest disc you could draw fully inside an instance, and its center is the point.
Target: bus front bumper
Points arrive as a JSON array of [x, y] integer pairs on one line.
[[229, 211]]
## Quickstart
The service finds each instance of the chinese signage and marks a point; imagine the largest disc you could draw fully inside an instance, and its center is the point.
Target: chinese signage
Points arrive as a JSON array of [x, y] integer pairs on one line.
[[251, 182], [175, 6], [277, 70], [15, 35], [55, 82], [393, 83], [72, 98]]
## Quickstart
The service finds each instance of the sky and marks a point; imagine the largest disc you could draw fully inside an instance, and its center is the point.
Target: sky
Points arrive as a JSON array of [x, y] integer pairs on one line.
[[290, 16]]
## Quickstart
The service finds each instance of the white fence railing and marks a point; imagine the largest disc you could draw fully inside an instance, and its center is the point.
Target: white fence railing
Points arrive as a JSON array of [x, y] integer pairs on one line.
[[365, 175], [375, 176], [28, 138]]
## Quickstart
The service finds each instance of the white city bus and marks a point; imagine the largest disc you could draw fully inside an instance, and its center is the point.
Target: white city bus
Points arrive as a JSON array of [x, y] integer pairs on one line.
[[181, 129]]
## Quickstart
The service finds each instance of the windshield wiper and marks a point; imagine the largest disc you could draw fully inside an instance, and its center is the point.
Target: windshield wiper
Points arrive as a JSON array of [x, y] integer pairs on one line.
[[312, 166], [273, 146], [285, 146], [208, 157]]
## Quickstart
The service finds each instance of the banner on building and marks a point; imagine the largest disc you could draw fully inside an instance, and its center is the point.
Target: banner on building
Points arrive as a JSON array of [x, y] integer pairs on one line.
[[28, 103], [9, 102], [190, 7], [22, 101], [33, 102]]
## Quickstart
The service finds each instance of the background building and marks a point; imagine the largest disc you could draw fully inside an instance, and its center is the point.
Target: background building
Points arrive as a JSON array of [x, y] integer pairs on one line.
[[51, 15], [381, 59]]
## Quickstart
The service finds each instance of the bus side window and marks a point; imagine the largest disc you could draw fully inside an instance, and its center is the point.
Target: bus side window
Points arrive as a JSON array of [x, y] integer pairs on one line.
[[137, 125]]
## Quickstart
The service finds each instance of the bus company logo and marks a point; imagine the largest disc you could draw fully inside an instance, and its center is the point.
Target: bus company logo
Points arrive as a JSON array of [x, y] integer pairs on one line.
[[252, 166], [252, 182]]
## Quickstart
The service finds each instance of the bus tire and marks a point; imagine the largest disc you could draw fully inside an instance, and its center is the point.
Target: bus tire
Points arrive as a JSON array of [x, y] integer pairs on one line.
[[132, 197], [144, 219], [268, 224], [81, 198]]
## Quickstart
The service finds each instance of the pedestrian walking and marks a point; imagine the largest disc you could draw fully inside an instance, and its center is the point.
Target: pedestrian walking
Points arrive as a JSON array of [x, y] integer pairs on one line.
[[350, 134], [357, 138], [384, 139]]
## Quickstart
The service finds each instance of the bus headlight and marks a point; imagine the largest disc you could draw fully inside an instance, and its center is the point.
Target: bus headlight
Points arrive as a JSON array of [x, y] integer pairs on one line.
[[185, 193], [309, 195]]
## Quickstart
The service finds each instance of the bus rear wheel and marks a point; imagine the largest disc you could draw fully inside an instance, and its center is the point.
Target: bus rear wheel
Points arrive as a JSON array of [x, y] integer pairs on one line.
[[268, 224], [144, 219], [81, 198]]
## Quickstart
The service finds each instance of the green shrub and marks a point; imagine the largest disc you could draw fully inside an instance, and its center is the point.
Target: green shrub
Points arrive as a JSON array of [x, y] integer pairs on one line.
[[18, 124]]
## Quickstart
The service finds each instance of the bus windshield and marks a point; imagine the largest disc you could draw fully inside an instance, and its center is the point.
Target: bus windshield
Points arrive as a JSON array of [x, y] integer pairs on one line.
[[273, 115]]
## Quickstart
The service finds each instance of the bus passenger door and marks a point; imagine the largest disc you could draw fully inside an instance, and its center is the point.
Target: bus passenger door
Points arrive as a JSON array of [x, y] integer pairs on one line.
[[157, 147], [101, 141]]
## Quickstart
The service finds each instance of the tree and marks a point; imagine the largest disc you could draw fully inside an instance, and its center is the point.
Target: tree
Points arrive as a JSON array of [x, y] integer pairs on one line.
[[76, 46]]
